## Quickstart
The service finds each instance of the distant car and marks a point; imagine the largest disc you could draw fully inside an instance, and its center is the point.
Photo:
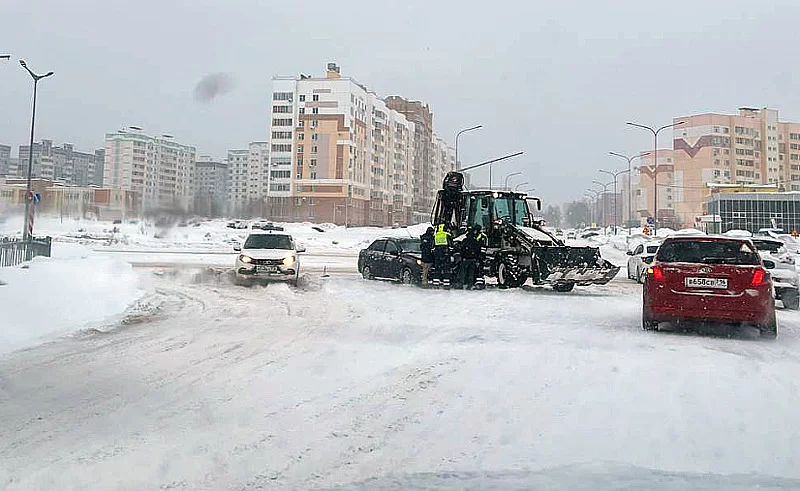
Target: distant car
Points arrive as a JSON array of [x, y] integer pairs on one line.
[[571, 235], [237, 224], [781, 265], [640, 259], [391, 258], [589, 234], [268, 256], [266, 226], [707, 278]]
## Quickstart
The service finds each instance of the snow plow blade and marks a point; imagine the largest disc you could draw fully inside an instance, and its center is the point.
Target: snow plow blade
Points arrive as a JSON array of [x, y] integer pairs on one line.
[[580, 265]]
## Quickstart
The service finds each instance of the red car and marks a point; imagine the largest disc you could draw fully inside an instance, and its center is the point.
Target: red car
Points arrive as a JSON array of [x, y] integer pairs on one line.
[[716, 279]]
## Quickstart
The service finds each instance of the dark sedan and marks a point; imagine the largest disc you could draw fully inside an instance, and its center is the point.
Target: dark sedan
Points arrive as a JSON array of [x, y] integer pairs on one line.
[[393, 259]]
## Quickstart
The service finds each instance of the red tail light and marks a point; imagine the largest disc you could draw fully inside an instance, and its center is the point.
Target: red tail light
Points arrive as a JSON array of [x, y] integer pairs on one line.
[[759, 278], [656, 272]]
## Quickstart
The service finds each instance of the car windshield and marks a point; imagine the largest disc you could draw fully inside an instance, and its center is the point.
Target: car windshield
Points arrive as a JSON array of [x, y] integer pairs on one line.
[[707, 252], [409, 245], [504, 208], [266, 241]]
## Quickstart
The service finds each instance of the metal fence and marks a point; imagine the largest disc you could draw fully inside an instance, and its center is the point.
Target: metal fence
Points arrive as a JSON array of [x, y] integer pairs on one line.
[[16, 251]]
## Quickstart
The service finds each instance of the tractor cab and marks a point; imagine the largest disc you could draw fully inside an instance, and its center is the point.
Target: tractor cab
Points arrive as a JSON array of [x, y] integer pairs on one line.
[[493, 209]]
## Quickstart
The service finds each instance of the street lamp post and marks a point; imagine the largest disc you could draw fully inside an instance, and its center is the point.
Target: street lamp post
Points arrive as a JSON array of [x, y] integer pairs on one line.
[[655, 164], [630, 189], [516, 188], [458, 163], [604, 195], [26, 231], [614, 175], [592, 209], [509, 176]]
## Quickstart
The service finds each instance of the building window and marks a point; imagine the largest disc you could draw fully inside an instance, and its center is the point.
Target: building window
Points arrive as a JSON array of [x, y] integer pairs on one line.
[[313, 162], [282, 96], [302, 98], [313, 174], [281, 109], [301, 124], [315, 110], [314, 136], [314, 123], [315, 97], [301, 136], [314, 149], [299, 148], [302, 110]]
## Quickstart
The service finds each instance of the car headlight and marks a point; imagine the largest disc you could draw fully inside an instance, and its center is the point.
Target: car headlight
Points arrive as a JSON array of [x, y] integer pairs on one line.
[[245, 259], [288, 260], [419, 262]]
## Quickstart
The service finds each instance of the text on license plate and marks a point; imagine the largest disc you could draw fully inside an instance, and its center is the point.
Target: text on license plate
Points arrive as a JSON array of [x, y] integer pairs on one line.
[[721, 283], [266, 269]]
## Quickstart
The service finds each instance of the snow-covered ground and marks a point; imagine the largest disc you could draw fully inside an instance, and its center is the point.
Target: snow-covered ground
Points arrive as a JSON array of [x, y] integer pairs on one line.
[[169, 377], [72, 290], [220, 387]]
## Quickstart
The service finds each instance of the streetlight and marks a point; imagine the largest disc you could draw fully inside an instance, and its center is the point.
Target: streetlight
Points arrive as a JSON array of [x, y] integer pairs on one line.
[[604, 194], [508, 176], [592, 208], [630, 189], [614, 175], [458, 164], [655, 164], [516, 188], [27, 230], [5, 57]]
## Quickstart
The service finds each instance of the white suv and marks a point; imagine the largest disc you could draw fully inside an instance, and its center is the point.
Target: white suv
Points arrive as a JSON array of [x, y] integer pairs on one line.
[[268, 256]]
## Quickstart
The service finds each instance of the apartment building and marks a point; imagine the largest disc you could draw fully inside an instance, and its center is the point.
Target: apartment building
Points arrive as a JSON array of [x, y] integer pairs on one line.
[[211, 186], [340, 153], [752, 147], [642, 187], [62, 163], [248, 177], [158, 168], [5, 160]]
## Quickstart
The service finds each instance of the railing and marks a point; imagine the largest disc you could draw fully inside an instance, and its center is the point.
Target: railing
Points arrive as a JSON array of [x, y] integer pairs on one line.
[[16, 251]]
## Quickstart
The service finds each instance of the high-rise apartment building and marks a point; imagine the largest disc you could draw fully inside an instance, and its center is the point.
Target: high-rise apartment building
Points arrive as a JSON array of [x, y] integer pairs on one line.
[[752, 147], [340, 153], [211, 187], [160, 169], [642, 183], [248, 171], [62, 163], [5, 160]]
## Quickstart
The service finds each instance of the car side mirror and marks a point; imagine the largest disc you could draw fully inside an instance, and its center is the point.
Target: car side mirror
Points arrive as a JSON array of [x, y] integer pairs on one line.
[[301, 249], [769, 264], [630, 253], [237, 248]]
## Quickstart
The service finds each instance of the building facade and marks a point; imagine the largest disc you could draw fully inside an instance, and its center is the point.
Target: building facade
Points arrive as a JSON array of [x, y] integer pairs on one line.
[[158, 169], [5, 160], [211, 187], [62, 163], [642, 183], [752, 210], [340, 153]]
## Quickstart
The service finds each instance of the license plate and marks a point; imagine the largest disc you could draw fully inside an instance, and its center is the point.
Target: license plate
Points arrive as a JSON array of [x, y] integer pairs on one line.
[[720, 283], [266, 269]]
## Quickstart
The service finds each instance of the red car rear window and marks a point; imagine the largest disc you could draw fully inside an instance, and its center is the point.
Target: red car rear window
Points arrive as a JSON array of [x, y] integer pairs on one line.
[[707, 252]]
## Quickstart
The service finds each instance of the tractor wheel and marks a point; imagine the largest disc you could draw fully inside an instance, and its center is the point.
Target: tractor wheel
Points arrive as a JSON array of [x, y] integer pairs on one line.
[[506, 277]]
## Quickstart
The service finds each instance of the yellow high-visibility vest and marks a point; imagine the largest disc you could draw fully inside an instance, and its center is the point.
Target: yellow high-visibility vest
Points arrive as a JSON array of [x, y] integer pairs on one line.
[[440, 237]]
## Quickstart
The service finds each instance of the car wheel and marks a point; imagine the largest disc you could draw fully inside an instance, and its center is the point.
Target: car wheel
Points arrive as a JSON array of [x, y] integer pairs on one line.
[[563, 287], [407, 277], [649, 324], [770, 331], [791, 300], [366, 273]]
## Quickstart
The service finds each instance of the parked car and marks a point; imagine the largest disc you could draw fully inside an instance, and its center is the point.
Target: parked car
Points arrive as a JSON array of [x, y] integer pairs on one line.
[[392, 258], [571, 235], [268, 256], [266, 226], [781, 265], [708, 278], [237, 224], [640, 259]]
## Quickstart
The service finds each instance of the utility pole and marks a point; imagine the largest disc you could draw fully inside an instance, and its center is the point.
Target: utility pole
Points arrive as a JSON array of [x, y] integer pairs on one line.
[[458, 163], [655, 164], [630, 188], [614, 175], [27, 230], [604, 194]]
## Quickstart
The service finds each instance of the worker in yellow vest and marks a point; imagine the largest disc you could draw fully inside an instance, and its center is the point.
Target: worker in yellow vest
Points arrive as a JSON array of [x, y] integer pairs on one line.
[[442, 240]]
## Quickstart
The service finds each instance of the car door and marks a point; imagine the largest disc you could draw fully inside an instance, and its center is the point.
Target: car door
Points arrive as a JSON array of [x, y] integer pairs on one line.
[[634, 261], [375, 255], [391, 260]]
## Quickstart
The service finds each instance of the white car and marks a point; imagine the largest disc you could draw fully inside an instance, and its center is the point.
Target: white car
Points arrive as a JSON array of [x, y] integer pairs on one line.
[[571, 235], [640, 258], [781, 267], [268, 256]]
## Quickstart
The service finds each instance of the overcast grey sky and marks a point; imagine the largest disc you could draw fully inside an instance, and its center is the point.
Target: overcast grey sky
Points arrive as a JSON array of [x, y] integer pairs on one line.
[[556, 79]]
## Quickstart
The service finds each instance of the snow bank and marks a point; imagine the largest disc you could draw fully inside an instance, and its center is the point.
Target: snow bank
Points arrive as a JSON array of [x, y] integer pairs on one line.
[[50, 297]]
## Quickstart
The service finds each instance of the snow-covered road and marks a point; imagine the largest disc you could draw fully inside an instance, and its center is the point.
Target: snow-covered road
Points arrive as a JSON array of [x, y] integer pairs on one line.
[[208, 386]]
